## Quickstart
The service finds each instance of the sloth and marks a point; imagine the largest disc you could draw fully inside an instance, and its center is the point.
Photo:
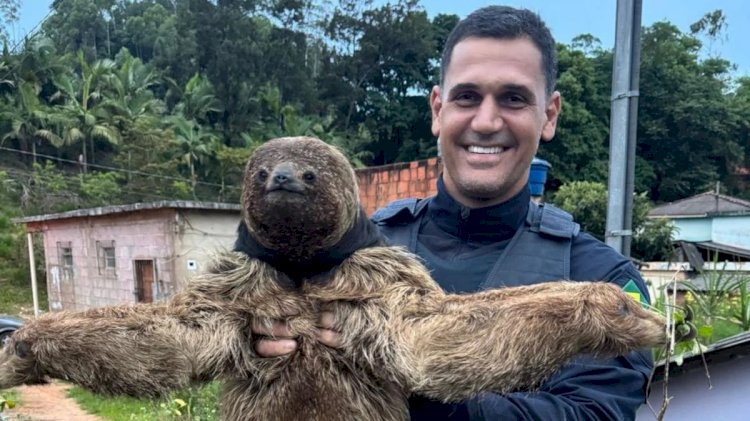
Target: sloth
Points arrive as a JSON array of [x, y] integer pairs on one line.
[[304, 245]]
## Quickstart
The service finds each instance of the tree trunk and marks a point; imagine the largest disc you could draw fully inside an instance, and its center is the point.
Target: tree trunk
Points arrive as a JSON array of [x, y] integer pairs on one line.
[[83, 158]]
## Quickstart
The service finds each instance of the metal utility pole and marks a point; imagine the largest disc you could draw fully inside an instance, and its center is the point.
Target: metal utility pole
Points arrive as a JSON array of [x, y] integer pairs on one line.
[[623, 124]]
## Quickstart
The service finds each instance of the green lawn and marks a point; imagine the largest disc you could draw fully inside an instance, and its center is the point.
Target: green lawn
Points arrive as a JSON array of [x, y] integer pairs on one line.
[[194, 404]]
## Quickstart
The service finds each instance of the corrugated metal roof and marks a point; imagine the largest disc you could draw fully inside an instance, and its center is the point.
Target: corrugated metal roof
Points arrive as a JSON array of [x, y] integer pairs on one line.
[[135, 207], [703, 204]]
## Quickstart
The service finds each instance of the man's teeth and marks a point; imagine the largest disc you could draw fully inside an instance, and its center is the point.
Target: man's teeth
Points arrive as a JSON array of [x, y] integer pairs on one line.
[[480, 149]]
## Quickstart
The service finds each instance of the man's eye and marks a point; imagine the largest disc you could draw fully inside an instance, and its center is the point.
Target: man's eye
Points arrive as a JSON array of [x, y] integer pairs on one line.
[[515, 100], [466, 98]]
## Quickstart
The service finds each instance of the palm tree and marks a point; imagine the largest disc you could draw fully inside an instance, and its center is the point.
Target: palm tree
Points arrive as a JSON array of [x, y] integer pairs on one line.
[[29, 118], [129, 99], [194, 143], [197, 99], [84, 118]]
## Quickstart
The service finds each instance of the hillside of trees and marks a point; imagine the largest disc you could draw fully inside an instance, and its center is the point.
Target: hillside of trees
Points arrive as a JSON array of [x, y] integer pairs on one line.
[[118, 101]]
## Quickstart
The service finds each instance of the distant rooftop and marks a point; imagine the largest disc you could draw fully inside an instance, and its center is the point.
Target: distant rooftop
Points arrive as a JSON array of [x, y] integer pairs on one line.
[[108, 210], [704, 204]]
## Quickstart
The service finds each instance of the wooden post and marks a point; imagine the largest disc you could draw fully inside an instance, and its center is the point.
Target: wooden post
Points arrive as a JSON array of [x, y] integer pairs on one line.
[[32, 268]]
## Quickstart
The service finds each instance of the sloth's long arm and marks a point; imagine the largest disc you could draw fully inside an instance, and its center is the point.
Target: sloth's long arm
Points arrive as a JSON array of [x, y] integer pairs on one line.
[[454, 347], [140, 350]]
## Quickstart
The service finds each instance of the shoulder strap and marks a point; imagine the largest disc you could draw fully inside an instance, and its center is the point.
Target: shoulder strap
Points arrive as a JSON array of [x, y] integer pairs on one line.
[[399, 221], [400, 207], [550, 220]]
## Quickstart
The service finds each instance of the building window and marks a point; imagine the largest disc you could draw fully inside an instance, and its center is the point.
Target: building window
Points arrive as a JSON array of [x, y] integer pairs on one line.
[[65, 254], [65, 259], [105, 253]]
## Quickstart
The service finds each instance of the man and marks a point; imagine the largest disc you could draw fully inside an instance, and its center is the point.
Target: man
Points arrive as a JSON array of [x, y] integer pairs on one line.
[[495, 102]]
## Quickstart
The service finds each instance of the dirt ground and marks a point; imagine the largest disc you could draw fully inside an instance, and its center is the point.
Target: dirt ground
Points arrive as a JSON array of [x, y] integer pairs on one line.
[[47, 403]]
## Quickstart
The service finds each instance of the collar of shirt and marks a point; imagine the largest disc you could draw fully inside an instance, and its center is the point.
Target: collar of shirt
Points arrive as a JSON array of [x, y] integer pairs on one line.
[[485, 225]]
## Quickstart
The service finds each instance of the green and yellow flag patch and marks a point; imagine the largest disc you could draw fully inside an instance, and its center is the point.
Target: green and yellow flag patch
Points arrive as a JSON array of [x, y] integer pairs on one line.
[[631, 288]]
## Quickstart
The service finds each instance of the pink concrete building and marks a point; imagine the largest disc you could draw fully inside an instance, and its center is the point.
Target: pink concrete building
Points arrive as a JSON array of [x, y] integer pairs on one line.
[[131, 253]]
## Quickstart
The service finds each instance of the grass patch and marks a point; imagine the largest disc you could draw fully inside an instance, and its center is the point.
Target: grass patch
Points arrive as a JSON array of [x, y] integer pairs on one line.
[[724, 329], [17, 300], [194, 404], [8, 399]]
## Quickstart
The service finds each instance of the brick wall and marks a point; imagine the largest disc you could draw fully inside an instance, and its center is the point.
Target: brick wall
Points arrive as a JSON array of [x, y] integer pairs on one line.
[[381, 185]]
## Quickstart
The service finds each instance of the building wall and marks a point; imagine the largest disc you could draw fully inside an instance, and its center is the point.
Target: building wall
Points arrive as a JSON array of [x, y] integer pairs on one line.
[[732, 230], [698, 229], [729, 230], [140, 235], [200, 234], [381, 185]]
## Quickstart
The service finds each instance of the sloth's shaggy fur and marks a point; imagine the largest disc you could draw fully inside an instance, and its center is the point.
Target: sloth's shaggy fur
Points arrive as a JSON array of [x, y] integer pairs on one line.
[[305, 245]]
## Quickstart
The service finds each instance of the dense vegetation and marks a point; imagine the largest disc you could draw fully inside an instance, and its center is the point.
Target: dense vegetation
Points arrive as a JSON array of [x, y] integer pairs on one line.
[[141, 100]]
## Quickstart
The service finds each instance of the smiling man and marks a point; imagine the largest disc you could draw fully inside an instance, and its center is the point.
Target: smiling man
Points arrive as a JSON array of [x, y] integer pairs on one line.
[[495, 103]]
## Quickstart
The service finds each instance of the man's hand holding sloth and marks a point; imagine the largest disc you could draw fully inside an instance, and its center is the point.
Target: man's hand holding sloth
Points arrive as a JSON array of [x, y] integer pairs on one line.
[[281, 342]]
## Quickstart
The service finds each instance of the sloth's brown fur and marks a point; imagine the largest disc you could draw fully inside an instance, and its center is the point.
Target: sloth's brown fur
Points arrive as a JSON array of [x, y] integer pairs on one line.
[[401, 333]]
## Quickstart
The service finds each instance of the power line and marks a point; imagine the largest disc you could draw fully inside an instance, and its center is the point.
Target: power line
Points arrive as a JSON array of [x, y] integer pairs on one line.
[[128, 190], [33, 30], [29, 35], [122, 170]]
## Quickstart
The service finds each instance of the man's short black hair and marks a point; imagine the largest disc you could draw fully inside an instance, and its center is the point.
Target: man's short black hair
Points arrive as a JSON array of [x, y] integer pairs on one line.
[[502, 22]]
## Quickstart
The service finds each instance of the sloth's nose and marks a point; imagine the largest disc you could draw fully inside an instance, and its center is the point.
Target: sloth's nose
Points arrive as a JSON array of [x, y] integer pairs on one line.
[[282, 175], [281, 178]]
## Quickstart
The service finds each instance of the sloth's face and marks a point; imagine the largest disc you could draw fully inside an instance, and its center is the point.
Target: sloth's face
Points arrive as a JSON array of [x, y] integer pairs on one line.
[[298, 192]]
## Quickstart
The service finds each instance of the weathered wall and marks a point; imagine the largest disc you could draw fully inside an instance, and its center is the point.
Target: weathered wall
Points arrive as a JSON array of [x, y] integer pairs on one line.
[[381, 185], [200, 234]]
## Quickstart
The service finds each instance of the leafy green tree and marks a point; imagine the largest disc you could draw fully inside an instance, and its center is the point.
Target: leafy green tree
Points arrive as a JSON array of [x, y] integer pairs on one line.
[[654, 240], [13, 264], [101, 188], [580, 150], [142, 27], [49, 190], [587, 202], [380, 57], [79, 25], [686, 130]]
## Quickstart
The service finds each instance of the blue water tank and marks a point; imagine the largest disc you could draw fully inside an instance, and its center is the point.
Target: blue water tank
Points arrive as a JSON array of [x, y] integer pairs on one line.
[[538, 176]]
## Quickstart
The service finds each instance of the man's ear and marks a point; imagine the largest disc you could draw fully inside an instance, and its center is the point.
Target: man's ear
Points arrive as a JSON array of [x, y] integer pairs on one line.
[[436, 104], [551, 111]]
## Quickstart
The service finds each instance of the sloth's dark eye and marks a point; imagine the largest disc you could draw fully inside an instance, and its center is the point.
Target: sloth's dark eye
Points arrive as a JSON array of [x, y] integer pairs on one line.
[[262, 175], [309, 176]]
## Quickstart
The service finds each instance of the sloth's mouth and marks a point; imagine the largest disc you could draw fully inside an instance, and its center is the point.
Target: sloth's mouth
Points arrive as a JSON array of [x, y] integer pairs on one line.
[[286, 188]]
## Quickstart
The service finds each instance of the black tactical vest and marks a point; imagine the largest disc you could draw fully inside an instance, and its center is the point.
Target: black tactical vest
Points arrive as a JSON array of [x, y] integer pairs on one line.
[[538, 252]]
